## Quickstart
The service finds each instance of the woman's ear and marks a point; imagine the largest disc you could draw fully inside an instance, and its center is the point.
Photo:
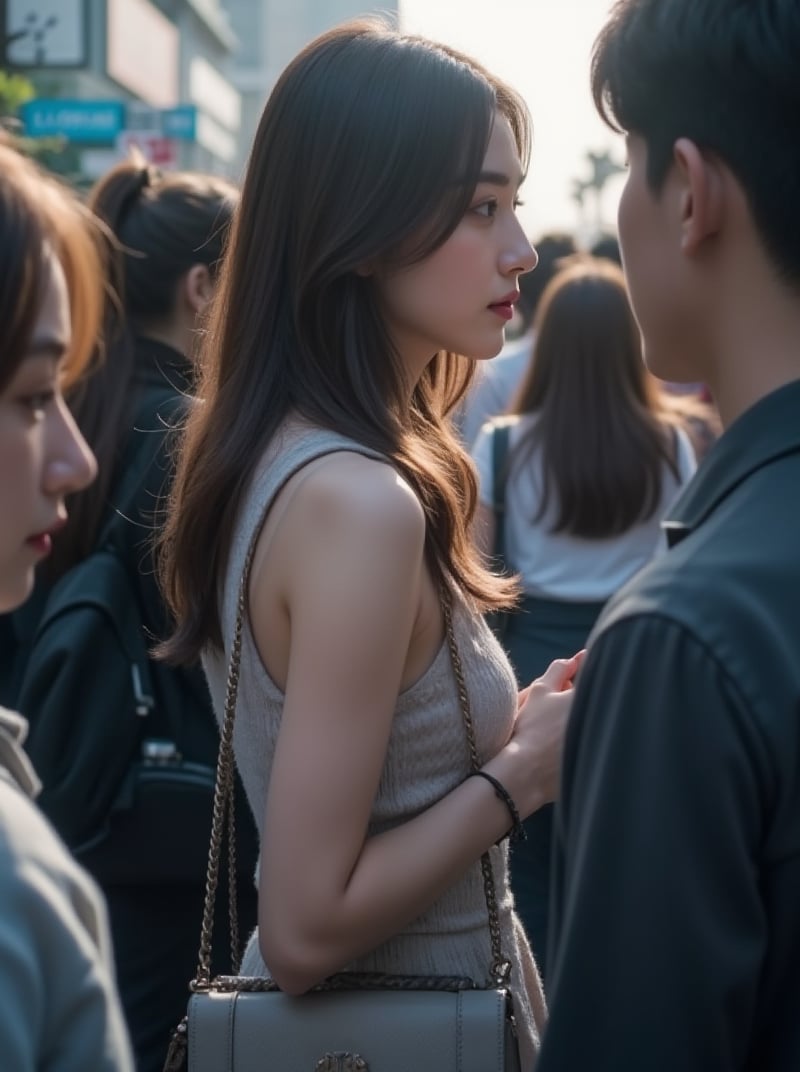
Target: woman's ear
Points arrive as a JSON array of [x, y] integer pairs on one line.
[[198, 288]]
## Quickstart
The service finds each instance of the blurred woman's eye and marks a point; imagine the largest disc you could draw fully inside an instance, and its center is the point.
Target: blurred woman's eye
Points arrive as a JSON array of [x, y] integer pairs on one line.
[[38, 401], [487, 209]]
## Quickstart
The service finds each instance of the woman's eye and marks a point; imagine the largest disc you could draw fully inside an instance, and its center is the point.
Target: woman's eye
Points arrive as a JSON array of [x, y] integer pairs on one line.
[[39, 401], [487, 209]]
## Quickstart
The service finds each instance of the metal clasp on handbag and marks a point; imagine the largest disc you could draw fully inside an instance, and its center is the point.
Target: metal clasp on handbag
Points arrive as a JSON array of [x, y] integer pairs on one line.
[[158, 752], [341, 1062]]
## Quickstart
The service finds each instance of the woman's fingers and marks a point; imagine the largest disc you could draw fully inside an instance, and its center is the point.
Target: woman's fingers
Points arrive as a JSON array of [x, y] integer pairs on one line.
[[560, 673]]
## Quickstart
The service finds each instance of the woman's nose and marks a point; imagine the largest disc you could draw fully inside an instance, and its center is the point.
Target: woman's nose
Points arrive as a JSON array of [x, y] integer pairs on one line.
[[521, 256], [71, 465]]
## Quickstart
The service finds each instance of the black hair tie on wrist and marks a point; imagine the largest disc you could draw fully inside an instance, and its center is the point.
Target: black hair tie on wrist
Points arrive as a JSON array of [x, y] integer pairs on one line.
[[517, 831]]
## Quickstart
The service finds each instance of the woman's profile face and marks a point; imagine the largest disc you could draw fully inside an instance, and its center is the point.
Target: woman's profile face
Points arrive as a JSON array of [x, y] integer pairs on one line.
[[461, 297], [43, 456]]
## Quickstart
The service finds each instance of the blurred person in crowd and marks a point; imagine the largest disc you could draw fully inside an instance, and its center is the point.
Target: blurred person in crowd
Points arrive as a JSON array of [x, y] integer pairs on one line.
[[691, 402], [693, 406], [496, 382], [375, 256], [169, 231], [595, 458], [676, 933], [606, 246], [59, 1011]]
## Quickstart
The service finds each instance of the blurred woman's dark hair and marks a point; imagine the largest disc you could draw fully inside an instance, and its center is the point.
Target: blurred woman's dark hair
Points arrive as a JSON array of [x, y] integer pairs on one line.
[[161, 225], [603, 427], [607, 245], [551, 249], [365, 160], [38, 213]]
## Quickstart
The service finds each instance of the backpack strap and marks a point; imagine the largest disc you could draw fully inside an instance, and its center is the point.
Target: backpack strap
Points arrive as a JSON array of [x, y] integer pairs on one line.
[[160, 404], [501, 436]]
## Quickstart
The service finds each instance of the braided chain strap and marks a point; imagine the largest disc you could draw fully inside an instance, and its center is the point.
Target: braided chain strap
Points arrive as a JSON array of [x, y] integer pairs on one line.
[[500, 968], [223, 805], [223, 813]]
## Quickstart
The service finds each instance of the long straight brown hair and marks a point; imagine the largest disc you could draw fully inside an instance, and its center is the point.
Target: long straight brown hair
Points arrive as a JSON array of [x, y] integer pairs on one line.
[[368, 153], [604, 429]]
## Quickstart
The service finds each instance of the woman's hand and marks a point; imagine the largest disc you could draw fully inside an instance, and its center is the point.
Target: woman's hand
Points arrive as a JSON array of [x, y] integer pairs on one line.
[[530, 764]]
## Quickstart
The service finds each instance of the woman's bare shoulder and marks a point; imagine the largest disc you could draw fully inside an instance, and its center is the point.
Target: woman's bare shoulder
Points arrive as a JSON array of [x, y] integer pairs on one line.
[[348, 490]]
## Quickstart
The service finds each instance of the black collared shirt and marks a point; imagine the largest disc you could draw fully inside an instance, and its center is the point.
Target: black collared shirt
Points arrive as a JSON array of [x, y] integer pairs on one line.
[[675, 940]]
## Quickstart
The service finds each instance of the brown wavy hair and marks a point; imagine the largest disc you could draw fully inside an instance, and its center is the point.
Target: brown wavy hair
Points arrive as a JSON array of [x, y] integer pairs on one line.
[[368, 153], [36, 213], [604, 428]]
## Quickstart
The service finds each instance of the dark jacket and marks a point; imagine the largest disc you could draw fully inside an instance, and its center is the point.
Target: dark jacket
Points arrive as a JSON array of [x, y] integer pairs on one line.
[[675, 942]]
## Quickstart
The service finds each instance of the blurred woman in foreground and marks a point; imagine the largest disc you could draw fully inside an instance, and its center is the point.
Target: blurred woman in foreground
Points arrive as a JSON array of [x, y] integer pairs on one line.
[[58, 1004]]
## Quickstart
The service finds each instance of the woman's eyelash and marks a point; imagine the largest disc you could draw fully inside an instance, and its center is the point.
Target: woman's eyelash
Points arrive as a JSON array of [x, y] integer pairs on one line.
[[490, 208], [486, 208]]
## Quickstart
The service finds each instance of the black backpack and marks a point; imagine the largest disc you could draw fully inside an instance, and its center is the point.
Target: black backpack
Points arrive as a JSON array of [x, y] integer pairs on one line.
[[125, 746]]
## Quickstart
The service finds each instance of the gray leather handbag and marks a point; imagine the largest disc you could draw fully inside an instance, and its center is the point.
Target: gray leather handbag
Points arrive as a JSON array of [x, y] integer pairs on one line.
[[352, 1022]]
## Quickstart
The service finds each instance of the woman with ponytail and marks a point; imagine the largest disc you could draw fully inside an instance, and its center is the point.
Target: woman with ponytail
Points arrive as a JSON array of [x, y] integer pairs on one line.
[[171, 230]]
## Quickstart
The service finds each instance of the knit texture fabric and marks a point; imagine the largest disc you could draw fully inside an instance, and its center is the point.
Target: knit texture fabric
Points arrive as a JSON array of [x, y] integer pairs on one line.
[[427, 757]]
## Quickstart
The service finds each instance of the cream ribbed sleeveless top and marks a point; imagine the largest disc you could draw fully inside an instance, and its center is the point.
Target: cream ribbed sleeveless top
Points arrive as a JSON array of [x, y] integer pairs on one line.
[[427, 755]]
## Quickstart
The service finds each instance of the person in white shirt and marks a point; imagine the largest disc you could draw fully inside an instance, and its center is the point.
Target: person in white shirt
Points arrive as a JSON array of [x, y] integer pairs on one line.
[[596, 455]]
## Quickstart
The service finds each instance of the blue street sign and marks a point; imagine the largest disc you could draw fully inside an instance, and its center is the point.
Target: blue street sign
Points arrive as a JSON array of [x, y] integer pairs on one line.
[[180, 122], [86, 121]]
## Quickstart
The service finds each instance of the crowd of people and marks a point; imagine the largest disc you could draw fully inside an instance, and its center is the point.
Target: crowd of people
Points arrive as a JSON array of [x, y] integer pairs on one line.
[[348, 437]]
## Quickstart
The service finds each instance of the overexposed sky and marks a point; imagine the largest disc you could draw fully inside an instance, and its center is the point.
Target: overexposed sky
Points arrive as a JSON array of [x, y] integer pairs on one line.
[[542, 47]]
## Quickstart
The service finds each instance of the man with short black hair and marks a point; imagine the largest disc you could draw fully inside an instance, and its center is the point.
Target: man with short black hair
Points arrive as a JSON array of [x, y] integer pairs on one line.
[[675, 942]]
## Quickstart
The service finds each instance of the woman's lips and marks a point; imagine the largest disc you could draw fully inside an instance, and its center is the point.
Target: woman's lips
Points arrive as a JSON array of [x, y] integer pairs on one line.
[[42, 543], [503, 309]]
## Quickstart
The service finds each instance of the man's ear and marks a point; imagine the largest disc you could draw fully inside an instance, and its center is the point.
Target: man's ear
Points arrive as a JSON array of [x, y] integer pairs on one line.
[[702, 202], [198, 287]]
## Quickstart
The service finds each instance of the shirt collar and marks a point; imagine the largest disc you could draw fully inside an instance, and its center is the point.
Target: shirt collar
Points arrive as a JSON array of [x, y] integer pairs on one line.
[[13, 761], [767, 431]]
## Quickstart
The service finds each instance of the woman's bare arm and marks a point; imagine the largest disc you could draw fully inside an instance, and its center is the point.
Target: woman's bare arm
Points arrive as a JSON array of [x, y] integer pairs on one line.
[[351, 553]]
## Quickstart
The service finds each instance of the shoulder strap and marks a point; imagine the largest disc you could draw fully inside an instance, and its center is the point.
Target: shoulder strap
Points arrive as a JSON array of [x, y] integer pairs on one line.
[[501, 435]]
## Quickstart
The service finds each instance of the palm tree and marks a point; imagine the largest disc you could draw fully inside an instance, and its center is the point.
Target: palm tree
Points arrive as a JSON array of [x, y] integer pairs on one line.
[[603, 166]]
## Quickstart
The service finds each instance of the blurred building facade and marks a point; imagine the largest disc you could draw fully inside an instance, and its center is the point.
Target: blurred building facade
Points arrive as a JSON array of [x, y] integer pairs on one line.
[[185, 80], [270, 33], [111, 73]]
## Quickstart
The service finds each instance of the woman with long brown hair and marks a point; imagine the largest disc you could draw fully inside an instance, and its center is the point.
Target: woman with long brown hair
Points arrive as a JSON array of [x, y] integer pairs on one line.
[[376, 241], [596, 454]]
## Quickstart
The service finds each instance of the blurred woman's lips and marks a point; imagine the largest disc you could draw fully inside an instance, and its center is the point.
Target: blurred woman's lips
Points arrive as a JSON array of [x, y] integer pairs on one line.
[[42, 542]]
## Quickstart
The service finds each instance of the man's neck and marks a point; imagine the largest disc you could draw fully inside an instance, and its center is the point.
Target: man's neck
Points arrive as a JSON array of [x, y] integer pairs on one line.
[[758, 352]]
